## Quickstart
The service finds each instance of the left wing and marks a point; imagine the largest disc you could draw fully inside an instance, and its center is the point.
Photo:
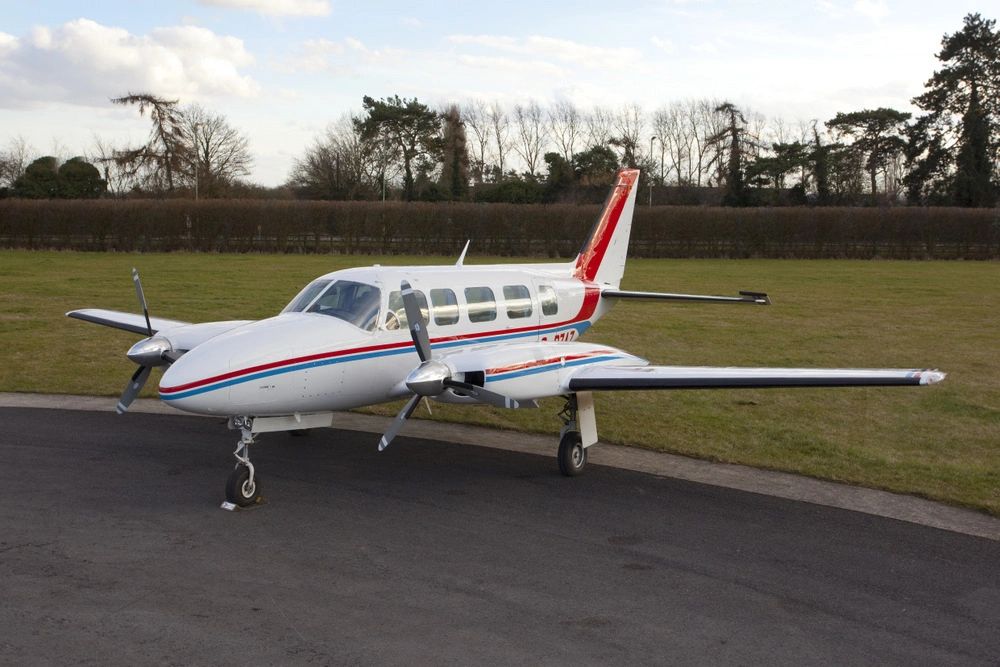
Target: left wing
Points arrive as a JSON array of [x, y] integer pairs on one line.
[[610, 377], [124, 321]]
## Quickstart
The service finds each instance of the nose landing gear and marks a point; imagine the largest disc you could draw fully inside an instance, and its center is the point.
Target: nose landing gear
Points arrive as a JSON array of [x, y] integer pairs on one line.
[[243, 486]]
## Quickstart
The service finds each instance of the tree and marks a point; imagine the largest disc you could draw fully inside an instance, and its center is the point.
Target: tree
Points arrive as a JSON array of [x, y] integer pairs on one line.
[[78, 179], [218, 154], [454, 156], [962, 101], [819, 161], [786, 157], [565, 127], [342, 165], [476, 118], [877, 135], [529, 122], [408, 125], [499, 123], [40, 179], [596, 166], [161, 159], [735, 134], [13, 161]]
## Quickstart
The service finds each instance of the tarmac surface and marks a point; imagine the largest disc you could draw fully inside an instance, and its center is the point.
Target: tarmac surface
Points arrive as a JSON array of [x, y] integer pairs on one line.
[[113, 550]]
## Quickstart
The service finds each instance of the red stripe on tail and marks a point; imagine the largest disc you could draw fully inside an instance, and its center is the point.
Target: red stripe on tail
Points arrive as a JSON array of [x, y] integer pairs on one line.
[[590, 258]]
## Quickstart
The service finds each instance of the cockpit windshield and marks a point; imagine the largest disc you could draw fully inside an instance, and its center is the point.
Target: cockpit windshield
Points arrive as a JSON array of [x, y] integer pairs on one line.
[[347, 300]]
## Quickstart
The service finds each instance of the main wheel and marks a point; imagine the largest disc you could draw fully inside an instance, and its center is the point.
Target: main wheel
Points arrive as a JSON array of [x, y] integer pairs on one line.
[[572, 454], [240, 490]]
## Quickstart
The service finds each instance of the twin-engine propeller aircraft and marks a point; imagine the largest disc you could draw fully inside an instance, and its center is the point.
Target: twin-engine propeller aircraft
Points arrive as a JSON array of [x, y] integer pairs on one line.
[[503, 335]]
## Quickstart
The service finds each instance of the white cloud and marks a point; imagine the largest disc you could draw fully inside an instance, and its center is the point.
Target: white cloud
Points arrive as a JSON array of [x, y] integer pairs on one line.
[[347, 55], [873, 9], [84, 62], [411, 22], [665, 45], [551, 48], [276, 7]]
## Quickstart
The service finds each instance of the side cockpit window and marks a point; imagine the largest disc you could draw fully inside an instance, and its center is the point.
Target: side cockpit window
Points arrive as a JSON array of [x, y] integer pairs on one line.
[[395, 316], [354, 302]]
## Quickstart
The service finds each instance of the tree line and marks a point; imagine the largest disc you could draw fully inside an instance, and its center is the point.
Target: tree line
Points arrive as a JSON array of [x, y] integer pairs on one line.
[[698, 151]]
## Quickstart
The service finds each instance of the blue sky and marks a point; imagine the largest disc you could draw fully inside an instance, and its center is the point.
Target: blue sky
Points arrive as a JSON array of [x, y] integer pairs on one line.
[[281, 70]]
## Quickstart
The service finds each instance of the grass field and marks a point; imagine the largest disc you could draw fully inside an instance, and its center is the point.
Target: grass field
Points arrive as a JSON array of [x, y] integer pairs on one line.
[[941, 442]]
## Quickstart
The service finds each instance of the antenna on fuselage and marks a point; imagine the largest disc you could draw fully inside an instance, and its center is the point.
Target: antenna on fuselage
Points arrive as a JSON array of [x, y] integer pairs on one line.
[[461, 258]]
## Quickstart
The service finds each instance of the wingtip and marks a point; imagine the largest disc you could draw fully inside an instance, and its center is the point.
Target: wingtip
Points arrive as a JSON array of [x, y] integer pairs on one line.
[[932, 376]]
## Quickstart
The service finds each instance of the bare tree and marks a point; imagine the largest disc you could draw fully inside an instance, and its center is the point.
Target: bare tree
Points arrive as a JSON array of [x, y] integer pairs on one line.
[[530, 124], [342, 165], [599, 126], [565, 126], [14, 160], [476, 117], [104, 155], [627, 125], [499, 123], [218, 154], [675, 136]]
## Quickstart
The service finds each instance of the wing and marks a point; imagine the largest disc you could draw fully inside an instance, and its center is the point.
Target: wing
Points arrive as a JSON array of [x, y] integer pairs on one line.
[[609, 377], [125, 321], [759, 298]]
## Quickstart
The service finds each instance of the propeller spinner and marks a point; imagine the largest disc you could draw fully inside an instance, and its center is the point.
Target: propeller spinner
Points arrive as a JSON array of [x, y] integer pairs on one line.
[[147, 353]]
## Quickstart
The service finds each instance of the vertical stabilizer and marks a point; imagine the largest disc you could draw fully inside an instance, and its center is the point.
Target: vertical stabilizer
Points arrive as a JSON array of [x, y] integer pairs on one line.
[[602, 259]]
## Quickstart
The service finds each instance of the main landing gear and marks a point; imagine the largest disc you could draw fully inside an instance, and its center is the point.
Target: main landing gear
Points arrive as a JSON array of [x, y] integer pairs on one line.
[[243, 486], [572, 454]]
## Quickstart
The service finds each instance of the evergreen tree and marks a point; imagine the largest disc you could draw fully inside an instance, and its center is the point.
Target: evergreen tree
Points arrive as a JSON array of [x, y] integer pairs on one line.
[[735, 133], [962, 101], [454, 179], [407, 125], [877, 135]]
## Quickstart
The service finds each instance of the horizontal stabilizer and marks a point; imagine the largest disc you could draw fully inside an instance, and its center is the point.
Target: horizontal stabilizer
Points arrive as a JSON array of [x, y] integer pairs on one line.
[[609, 377], [744, 297], [125, 321]]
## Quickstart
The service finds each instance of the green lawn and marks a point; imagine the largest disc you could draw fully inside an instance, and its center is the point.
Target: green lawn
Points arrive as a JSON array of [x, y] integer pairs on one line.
[[941, 442]]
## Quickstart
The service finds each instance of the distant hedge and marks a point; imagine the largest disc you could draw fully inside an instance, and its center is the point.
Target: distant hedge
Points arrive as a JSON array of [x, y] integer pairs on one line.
[[495, 229]]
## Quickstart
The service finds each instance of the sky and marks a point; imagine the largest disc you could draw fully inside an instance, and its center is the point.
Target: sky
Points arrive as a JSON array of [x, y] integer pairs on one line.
[[282, 70]]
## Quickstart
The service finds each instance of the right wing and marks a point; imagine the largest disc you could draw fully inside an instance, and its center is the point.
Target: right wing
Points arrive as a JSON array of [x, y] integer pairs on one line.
[[125, 321], [609, 377]]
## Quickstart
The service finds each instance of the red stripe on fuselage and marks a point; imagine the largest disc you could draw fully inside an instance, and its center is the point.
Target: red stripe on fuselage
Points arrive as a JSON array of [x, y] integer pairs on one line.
[[592, 255], [542, 362], [590, 299]]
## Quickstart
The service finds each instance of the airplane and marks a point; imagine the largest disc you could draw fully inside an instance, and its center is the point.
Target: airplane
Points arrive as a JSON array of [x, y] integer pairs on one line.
[[503, 335]]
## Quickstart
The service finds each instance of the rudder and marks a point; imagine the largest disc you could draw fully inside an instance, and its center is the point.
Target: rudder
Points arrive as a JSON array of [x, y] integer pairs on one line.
[[602, 258]]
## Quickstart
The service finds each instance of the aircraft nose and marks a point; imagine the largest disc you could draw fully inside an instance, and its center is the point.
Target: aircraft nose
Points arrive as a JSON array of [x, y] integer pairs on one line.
[[192, 385]]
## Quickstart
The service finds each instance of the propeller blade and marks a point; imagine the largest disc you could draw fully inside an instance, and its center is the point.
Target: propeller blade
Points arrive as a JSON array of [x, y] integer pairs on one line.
[[487, 396], [142, 299], [418, 327], [133, 388], [398, 422]]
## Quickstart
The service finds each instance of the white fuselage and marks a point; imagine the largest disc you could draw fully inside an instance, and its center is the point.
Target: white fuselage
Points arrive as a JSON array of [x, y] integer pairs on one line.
[[314, 360]]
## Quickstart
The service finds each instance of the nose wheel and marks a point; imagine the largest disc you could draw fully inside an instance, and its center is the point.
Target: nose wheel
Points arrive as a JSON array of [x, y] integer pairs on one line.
[[243, 485]]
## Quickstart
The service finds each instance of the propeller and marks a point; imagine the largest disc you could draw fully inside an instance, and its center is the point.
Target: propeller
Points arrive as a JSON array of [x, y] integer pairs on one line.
[[148, 352], [433, 377]]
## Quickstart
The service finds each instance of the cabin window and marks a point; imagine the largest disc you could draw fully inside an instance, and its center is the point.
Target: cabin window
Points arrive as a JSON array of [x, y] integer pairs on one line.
[[445, 305], [482, 304], [547, 296], [518, 300], [395, 315], [350, 301]]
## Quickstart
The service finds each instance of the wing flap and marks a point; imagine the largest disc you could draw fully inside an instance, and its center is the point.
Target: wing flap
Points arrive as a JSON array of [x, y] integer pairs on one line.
[[125, 321], [609, 377]]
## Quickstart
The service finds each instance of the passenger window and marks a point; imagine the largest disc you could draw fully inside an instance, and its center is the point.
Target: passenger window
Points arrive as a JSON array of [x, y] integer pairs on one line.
[[518, 300], [547, 296], [395, 316], [445, 306], [482, 304]]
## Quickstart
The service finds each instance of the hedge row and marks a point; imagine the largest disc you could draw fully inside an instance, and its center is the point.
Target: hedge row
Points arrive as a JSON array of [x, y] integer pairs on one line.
[[495, 229]]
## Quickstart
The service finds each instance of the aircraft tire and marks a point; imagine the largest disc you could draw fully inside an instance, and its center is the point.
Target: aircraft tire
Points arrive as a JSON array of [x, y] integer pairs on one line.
[[572, 454], [237, 490]]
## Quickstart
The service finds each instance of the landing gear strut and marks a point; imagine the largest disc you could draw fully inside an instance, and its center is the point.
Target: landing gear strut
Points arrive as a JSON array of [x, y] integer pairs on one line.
[[572, 454], [243, 486]]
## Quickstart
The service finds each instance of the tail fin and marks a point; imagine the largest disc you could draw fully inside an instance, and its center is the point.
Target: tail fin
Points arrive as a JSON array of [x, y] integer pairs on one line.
[[602, 258]]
